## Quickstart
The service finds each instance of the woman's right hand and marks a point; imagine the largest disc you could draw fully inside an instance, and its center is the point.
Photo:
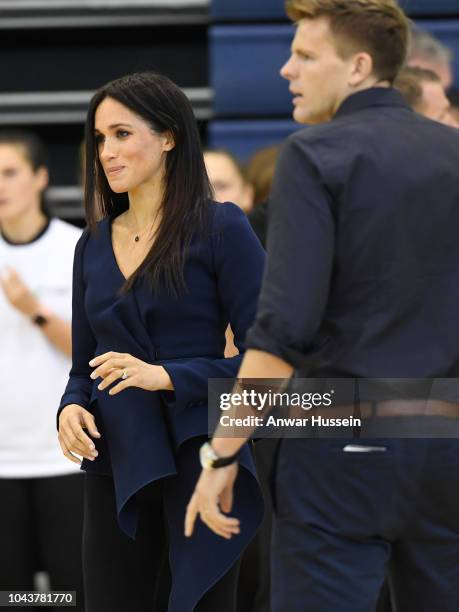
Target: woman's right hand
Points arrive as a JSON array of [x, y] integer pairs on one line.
[[72, 419]]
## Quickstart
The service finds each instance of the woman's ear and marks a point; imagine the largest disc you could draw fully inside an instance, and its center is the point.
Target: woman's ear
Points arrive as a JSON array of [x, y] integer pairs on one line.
[[169, 142]]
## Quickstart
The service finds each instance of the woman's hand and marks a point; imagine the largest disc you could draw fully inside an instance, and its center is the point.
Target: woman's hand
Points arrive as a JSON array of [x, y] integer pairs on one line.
[[133, 372], [18, 294], [72, 420]]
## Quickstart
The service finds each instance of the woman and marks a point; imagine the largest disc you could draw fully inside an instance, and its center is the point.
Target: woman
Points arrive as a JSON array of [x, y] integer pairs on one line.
[[42, 510], [156, 283], [228, 180]]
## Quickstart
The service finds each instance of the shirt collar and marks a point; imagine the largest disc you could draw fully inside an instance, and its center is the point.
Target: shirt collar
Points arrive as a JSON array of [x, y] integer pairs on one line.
[[32, 240], [374, 96]]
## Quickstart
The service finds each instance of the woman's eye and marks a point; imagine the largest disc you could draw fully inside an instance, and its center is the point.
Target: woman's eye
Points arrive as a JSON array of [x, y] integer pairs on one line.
[[10, 172], [122, 133], [99, 139]]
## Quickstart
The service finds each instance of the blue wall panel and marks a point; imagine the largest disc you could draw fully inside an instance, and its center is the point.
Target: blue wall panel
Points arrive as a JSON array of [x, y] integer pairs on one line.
[[243, 138], [244, 69], [259, 10], [247, 10]]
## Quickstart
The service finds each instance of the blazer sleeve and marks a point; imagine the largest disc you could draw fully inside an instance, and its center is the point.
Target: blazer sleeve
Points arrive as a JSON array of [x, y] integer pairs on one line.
[[239, 263], [79, 386]]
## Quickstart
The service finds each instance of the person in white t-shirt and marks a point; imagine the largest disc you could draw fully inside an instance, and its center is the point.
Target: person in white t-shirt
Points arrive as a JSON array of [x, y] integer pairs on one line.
[[41, 492]]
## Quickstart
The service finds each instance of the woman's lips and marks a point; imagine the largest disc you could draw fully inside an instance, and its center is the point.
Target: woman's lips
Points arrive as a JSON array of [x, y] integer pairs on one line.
[[115, 170]]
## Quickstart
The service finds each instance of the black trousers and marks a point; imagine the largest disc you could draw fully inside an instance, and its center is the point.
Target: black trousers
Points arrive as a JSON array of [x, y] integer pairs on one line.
[[40, 529], [122, 574]]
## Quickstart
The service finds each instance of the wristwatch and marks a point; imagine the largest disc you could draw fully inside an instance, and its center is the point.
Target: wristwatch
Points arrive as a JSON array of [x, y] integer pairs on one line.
[[211, 461], [42, 317]]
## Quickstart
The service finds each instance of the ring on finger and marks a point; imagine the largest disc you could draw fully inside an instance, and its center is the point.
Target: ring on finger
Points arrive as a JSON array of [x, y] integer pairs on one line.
[[124, 375]]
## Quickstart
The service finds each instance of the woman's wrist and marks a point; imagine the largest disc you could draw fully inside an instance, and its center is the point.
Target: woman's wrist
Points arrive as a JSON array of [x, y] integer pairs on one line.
[[164, 382]]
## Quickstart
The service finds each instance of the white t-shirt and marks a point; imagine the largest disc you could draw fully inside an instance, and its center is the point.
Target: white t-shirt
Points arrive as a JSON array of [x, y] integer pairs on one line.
[[33, 372]]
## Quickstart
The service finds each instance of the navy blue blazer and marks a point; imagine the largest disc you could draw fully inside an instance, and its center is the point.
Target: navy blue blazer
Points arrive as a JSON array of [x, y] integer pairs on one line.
[[149, 435]]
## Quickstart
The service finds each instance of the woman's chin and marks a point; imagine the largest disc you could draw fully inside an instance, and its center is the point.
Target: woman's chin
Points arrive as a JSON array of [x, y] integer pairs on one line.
[[118, 188]]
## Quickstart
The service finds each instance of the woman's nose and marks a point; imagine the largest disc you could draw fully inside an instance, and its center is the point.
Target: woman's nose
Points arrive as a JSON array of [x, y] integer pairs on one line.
[[108, 150]]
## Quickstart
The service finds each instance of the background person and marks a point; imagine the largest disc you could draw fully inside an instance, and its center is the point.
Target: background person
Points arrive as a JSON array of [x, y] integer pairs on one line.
[[426, 51], [41, 510], [260, 172], [228, 180], [424, 92]]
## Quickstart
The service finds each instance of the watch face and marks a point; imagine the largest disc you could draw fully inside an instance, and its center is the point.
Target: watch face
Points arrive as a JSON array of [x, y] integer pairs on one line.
[[40, 320], [206, 456]]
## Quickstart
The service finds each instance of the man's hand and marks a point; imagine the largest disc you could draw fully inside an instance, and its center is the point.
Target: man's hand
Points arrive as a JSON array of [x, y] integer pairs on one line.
[[133, 372], [73, 419], [212, 496], [18, 294]]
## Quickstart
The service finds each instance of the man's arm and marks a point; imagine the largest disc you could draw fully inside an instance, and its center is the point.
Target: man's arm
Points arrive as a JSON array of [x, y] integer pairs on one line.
[[291, 307], [256, 364]]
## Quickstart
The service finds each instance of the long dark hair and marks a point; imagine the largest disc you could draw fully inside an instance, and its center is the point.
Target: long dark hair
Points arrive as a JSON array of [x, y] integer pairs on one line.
[[34, 151], [165, 107]]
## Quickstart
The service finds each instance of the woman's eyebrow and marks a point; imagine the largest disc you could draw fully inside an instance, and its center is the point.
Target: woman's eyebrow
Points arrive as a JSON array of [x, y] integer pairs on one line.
[[116, 125]]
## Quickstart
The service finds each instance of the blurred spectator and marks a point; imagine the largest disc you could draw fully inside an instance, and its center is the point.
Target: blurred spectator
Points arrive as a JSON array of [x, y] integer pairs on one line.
[[228, 180], [453, 96], [41, 492], [260, 172], [427, 52], [423, 91]]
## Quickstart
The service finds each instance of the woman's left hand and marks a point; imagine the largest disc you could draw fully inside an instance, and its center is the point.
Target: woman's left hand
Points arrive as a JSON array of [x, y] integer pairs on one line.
[[133, 372]]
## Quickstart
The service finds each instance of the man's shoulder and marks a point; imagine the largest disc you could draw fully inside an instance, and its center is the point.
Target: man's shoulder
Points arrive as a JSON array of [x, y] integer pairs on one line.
[[312, 137]]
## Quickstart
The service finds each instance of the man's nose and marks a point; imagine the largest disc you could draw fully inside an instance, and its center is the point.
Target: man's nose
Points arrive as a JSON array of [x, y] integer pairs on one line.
[[287, 69]]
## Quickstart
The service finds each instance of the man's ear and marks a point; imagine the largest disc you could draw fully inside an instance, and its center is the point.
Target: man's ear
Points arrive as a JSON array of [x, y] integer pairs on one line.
[[361, 69], [169, 142]]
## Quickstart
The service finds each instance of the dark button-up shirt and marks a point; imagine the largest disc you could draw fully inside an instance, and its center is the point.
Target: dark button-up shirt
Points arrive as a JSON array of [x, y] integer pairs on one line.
[[362, 275]]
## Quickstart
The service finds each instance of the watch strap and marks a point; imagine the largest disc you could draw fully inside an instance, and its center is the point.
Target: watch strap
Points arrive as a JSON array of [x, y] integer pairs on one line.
[[210, 460]]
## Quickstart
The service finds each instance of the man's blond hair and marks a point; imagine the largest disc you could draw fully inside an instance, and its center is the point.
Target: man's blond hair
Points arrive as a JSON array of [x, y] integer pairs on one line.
[[377, 27]]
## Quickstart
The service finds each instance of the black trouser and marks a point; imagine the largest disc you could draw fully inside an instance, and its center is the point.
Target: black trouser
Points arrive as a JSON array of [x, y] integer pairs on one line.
[[122, 574], [41, 529]]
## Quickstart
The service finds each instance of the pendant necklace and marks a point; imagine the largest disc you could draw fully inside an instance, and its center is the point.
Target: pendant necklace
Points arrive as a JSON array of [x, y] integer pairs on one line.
[[139, 234]]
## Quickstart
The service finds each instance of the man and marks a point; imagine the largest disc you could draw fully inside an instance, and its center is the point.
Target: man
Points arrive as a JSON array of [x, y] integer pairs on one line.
[[424, 92], [361, 282], [427, 52]]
